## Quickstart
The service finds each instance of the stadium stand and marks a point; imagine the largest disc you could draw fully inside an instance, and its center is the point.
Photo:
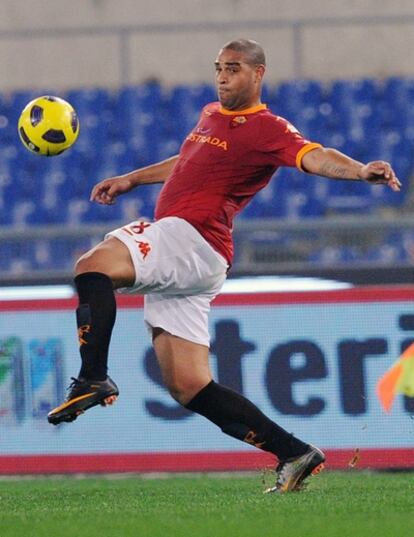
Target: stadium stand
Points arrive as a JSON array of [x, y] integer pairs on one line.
[[134, 126]]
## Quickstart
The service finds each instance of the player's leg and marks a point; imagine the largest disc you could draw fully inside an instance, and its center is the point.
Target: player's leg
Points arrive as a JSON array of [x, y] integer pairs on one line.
[[184, 365], [106, 267], [185, 370], [186, 373]]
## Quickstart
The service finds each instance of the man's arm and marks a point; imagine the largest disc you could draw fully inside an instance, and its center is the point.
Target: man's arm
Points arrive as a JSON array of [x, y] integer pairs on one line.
[[334, 164], [106, 191]]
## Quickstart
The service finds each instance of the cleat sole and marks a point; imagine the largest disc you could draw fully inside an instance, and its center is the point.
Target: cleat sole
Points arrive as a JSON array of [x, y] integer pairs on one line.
[[318, 469], [108, 401]]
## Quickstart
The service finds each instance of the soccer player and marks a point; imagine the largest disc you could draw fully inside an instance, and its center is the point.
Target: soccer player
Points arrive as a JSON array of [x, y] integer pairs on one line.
[[180, 261]]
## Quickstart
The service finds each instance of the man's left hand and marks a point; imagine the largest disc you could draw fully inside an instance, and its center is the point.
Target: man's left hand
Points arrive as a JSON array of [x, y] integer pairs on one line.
[[380, 172]]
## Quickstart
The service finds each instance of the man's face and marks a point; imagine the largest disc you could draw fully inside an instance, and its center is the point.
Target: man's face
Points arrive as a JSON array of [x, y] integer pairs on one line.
[[237, 82]]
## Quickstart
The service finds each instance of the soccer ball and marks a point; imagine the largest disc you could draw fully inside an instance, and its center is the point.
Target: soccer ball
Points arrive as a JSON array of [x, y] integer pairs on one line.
[[48, 126]]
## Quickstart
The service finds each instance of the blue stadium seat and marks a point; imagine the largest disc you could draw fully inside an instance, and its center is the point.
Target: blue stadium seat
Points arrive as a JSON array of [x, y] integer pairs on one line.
[[388, 253], [349, 196], [141, 98], [136, 206], [22, 211], [94, 131], [147, 195], [102, 213], [184, 108], [198, 95], [89, 100], [168, 147], [77, 207], [6, 252], [95, 109], [20, 256], [288, 97], [345, 92], [398, 93], [8, 127], [20, 98], [135, 126], [65, 252], [73, 184], [290, 194], [310, 122], [140, 117]]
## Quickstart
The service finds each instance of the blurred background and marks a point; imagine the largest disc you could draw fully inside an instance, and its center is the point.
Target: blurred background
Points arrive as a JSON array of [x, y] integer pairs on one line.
[[138, 75]]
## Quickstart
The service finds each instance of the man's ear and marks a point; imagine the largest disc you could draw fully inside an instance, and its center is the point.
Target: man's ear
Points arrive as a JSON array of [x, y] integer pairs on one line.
[[260, 71]]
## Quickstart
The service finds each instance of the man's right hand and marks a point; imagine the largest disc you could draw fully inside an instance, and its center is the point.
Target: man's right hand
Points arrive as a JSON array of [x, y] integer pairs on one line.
[[105, 192], [108, 190]]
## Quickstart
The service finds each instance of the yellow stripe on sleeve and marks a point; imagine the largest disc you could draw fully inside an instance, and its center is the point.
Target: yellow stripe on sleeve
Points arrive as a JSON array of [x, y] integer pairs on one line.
[[302, 152]]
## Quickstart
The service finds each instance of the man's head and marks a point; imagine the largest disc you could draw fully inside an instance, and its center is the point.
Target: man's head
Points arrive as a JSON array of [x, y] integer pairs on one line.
[[240, 66]]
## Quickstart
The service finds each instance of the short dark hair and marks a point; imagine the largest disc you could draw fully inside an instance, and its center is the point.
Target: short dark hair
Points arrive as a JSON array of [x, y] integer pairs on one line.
[[250, 48]]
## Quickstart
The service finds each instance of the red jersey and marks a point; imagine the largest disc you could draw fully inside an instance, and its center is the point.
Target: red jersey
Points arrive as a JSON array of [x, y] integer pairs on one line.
[[223, 162]]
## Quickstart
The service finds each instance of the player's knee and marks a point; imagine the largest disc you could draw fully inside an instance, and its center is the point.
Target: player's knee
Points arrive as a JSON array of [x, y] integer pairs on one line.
[[110, 257], [185, 390], [90, 262], [176, 390]]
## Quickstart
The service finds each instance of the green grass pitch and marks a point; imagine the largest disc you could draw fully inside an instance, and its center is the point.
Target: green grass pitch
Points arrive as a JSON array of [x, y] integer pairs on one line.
[[348, 504]]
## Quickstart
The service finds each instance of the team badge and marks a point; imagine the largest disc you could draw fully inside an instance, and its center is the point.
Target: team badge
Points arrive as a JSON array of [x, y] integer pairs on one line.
[[238, 120]]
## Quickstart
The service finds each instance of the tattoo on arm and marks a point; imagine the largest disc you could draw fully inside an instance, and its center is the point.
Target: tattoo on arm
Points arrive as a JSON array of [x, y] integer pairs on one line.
[[330, 169]]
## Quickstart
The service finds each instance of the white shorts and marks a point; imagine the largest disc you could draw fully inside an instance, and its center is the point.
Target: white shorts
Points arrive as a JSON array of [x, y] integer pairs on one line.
[[178, 271]]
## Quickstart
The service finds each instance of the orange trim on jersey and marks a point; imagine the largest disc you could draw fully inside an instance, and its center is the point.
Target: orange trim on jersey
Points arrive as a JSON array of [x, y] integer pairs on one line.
[[251, 110], [302, 152]]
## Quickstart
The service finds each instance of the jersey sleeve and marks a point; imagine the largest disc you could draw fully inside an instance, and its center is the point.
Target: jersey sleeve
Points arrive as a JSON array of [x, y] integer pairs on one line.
[[283, 144]]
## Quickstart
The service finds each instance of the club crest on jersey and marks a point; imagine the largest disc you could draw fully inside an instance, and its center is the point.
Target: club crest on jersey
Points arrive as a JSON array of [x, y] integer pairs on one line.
[[238, 120], [211, 140]]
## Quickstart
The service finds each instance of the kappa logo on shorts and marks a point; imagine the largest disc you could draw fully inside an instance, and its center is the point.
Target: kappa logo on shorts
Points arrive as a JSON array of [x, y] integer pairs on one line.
[[144, 248], [136, 229]]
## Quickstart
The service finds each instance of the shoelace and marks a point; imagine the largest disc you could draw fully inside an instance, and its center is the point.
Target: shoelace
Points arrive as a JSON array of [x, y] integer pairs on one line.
[[75, 382]]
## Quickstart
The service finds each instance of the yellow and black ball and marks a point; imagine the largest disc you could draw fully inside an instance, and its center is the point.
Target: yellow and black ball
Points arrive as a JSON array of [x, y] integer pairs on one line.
[[48, 126]]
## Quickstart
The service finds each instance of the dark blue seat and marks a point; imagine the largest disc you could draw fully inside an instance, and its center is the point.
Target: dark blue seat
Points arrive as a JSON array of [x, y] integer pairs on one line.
[[289, 96], [344, 92], [89, 100], [183, 111], [6, 252], [65, 252], [8, 126], [97, 213], [16, 256]]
